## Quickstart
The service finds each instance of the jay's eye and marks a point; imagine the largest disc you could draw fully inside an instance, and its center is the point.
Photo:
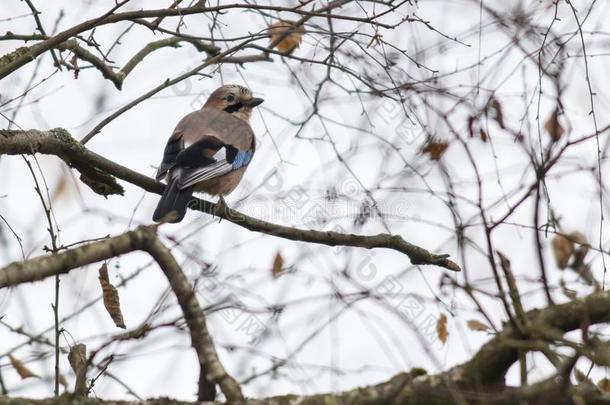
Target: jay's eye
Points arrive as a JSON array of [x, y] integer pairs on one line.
[[230, 98]]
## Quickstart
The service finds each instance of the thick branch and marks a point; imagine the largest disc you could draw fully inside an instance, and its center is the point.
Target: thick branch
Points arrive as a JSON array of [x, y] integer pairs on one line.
[[211, 368], [144, 239], [493, 360], [478, 381], [396, 391], [59, 142]]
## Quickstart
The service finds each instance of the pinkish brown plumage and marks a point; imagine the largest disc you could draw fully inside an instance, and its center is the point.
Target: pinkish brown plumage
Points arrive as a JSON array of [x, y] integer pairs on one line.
[[208, 151], [222, 185]]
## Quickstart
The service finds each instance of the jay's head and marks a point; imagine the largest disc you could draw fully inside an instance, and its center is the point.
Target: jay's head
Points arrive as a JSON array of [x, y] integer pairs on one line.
[[234, 99]]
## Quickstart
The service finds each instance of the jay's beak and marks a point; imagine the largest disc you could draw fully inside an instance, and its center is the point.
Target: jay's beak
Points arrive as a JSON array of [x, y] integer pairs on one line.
[[253, 102]]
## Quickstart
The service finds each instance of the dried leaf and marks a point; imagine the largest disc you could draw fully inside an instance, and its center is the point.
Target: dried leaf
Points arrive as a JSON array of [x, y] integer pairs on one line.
[[291, 35], [111, 298], [604, 384], [471, 121], [581, 248], [20, 368], [63, 382], [278, 262], [435, 149], [78, 361], [483, 135], [78, 357], [563, 248], [575, 246], [553, 127], [499, 116], [473, 324], [581, 377], [441, 328], [60, 189]]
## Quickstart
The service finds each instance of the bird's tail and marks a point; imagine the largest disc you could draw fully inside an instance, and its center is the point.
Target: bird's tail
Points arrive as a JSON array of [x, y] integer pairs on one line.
[[173, 201]]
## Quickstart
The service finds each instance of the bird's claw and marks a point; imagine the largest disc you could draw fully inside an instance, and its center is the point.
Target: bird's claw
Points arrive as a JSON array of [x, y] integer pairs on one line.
[[221, 201], [221, 206]]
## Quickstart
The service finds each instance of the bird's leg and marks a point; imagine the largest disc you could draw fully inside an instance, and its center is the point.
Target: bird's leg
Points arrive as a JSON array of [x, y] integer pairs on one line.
[[221, 206], [221, 201]]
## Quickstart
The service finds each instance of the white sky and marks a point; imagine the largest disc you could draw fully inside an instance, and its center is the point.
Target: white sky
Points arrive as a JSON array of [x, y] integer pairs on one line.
[[368, 342]]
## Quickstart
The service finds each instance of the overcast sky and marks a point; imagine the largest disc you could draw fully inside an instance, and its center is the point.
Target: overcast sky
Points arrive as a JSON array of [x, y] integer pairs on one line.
[[344, 343]]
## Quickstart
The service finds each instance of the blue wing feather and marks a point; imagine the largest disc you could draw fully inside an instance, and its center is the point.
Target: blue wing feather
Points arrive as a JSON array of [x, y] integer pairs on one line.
[[242, 158]]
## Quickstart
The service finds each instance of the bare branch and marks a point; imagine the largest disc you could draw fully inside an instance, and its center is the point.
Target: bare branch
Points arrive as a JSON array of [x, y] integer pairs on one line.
[[118, 77], [145, 239], [59, 142], [11, 62]]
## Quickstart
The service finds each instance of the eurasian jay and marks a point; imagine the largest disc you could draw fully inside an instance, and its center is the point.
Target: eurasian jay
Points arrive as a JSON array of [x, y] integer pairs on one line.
[[208, 151]]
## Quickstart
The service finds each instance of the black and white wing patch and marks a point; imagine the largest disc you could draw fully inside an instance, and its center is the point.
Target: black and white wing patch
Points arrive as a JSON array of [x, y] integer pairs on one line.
[[200, 161], [227, 160]]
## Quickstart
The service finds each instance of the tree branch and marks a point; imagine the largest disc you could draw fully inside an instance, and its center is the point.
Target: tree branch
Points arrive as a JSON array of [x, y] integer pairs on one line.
[[58, 142], [10, 36], [167, 83], [493, 360], [118, 77], [399, 390], [144, 239], [478, 381], [14, 60]]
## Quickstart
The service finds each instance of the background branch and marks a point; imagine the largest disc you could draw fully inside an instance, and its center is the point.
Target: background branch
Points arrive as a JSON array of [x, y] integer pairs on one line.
[[145, 239], [118, 77]]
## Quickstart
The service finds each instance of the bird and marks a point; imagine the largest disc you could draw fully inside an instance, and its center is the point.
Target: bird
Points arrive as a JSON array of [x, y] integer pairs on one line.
[[208, 151]]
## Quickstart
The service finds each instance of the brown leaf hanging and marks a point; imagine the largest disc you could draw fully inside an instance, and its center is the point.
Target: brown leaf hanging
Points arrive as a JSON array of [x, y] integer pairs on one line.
[[278, 262], [562, 250], [78, 361], [291, 40], [473, 324], [441, 328], [61, 188], [435, 149], [20, 368], [553, 127], [497, 109], [111, 298], [581, 377], [471, 121], [604, 384], [581, 247], [63, 382]]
